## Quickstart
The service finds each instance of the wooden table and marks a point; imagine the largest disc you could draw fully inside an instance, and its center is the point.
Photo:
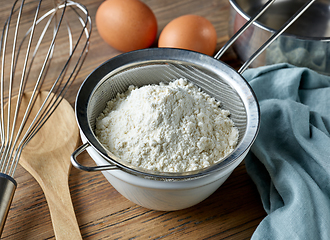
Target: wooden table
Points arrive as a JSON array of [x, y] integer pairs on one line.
[[232, 212]]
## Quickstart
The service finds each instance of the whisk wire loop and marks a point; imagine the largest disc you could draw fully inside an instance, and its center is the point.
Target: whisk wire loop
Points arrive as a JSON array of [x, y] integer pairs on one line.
[[15, 55], [12, 145]]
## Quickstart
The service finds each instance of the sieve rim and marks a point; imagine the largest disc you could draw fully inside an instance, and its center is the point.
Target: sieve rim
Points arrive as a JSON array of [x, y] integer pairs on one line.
[[178, 55]]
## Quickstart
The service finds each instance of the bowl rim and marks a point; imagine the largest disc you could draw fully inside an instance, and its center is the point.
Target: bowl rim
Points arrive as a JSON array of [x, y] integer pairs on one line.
[[247, 17], [167, 54]]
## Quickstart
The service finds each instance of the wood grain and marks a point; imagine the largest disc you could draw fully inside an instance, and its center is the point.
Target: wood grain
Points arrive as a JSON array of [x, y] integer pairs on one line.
[[232, 212]]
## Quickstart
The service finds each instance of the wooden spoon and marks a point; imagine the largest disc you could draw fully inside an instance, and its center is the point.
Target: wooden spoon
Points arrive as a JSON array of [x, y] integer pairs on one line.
[[47, 158]]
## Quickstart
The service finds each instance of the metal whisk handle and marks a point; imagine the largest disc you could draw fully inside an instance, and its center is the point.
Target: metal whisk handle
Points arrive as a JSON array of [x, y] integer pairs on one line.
[[7, 189]]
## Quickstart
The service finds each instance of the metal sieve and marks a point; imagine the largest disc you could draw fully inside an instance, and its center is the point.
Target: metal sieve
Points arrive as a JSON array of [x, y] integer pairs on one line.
[[155, 65], [152, 66]]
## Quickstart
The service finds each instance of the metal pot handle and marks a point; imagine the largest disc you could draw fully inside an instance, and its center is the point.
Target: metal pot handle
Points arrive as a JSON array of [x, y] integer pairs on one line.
[[76, 164]]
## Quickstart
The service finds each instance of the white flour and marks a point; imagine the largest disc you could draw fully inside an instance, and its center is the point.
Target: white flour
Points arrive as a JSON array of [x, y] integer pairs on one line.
[[167, 128]]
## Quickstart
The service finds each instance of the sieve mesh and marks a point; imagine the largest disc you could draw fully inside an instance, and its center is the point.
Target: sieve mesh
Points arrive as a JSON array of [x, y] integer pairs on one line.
[[155, 72]]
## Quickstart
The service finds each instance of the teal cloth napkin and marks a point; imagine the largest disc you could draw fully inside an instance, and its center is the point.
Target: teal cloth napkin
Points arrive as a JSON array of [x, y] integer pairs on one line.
[[290, 159]]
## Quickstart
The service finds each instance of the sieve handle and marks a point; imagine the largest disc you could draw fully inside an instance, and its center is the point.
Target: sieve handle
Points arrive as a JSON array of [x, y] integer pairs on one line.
[[270, 40], [76, 164], [276, 35], [7, 189], [242, 29]]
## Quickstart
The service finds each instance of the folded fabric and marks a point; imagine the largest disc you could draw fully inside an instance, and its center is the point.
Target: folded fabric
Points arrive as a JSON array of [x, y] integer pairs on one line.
[[290, 159]]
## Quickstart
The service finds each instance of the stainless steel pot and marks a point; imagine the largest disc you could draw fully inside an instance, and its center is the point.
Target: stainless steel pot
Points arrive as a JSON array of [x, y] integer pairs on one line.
[[306, 43]]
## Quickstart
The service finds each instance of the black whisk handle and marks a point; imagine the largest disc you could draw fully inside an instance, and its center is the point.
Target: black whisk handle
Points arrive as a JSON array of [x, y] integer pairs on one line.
[[7, 189]]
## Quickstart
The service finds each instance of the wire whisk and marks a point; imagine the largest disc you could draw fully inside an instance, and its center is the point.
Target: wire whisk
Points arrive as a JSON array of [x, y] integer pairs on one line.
[[31, 50]]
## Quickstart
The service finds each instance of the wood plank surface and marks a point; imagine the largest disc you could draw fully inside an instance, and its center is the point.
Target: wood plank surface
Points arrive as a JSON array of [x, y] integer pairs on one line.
[[232, 212]]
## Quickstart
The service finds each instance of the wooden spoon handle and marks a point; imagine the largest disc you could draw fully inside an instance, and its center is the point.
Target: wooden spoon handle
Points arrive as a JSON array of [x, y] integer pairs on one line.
[[61, 210]]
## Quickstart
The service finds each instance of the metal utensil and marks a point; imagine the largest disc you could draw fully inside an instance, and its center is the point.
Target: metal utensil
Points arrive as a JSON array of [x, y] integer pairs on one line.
[[23, 39]]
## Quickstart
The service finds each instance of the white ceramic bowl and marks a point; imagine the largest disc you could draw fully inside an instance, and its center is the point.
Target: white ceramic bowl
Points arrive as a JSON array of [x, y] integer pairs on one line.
[[163, 195]]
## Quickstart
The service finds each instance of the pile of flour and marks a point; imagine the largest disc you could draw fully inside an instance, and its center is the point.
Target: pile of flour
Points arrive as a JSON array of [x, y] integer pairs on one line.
[[167, 128]]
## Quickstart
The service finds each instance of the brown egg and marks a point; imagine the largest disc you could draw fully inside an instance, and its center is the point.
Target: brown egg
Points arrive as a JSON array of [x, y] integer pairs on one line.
[[190, 32], [126, 25]]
